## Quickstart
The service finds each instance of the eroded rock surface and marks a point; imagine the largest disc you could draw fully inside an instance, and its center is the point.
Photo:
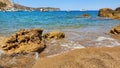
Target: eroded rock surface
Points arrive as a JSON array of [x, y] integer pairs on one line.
[[54, 35], [115, 30], [24, 41], [107, 12]]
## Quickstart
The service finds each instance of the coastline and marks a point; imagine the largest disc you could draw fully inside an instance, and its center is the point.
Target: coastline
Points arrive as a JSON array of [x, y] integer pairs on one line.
[[84, 36]]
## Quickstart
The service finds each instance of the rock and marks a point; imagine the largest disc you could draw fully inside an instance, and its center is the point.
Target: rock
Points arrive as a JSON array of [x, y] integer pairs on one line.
[[107, 12], [24, 41], [86, 15], [54, 35], [115, 30], [117, 9]]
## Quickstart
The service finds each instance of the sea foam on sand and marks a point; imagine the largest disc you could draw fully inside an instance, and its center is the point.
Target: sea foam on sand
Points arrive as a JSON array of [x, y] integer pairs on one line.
[[109, 42], [72, 45], [1, 52]]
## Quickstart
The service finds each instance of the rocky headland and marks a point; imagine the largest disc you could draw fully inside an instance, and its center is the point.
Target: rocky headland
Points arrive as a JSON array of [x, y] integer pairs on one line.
[[9, 5], [110, 13]]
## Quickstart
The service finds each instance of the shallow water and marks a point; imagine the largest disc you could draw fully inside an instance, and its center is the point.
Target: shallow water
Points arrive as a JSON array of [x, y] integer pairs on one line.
[[13, 21]]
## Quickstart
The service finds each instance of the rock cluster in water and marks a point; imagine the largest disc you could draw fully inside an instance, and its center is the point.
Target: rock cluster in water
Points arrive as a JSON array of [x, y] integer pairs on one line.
[[85, 15], [115, 30], [54, 35], [26, 41], [107, 12]]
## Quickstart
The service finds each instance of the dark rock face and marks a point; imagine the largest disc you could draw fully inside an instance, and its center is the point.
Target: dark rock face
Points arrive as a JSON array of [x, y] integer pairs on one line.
[[54, 35], [107, 12], [24, 41], [117, 9], [115, 30]]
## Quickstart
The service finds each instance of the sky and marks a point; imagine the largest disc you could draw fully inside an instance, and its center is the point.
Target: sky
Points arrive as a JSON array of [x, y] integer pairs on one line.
[[71, 4]]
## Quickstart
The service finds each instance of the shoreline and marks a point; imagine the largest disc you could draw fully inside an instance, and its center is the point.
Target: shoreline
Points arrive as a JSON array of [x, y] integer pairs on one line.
[[83, 58]]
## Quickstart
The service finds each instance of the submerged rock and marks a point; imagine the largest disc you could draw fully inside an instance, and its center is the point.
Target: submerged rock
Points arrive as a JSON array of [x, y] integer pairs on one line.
[[85, 15], [115, 30], [107, 12], [54, 35], [24, 41]]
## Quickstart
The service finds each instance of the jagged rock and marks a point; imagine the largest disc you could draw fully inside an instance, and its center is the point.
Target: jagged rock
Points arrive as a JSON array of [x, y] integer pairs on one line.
[[24, 41], [115, 30], [54, 35], [107, 12], [86, 15], [117, 9]]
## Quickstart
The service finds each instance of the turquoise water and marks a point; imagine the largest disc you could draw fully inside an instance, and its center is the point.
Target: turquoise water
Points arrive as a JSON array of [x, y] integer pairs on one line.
[[13, 21]]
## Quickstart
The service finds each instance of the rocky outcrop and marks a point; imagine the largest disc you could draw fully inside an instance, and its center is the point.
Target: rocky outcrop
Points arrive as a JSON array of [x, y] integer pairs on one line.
[[14, 6], [117, 9], [115, 30], [25, 41], [8, 4], [54, 35], [107, 12], [85, 15]]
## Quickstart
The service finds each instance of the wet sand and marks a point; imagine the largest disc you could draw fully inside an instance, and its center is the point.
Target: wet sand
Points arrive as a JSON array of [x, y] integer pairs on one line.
[[101, 57]]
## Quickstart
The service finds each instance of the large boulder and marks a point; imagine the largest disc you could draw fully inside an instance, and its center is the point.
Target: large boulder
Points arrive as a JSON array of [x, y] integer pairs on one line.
[[115, 30], [107, 12], [54, 35], [24, 41]]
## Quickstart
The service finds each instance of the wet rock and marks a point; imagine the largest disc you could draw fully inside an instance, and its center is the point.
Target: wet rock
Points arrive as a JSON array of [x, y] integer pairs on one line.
[[107, 12], [24, 41], [115, 30], [85, 15], [54, 35]]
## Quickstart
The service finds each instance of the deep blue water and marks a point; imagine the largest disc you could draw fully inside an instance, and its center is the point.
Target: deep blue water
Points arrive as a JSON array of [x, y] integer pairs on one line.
[[13, 21]]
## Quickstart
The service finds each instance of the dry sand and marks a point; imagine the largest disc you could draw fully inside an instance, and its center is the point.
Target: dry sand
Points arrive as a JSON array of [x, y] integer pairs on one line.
[[103, 57]]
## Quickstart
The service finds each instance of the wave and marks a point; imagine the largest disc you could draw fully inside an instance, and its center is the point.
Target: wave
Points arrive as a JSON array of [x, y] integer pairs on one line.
[[109, 42], [72, 45]]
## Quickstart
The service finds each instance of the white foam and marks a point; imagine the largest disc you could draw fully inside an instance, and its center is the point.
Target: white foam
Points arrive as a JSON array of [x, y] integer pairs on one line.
[[72, 45], [36, 55], [104, 38], [1, 52], [109, 42]]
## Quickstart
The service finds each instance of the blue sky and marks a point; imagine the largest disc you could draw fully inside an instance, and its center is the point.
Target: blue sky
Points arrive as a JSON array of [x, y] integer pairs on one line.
[[71, 4]]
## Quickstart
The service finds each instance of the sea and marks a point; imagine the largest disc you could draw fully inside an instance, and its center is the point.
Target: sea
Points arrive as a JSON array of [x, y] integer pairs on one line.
[[80, 32]]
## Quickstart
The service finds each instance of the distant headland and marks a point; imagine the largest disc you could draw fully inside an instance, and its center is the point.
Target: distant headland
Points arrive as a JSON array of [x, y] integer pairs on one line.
[[7, 5]]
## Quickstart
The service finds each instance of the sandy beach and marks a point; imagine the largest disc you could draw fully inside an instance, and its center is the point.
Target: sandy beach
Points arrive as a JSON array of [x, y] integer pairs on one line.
[[101, 57]]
